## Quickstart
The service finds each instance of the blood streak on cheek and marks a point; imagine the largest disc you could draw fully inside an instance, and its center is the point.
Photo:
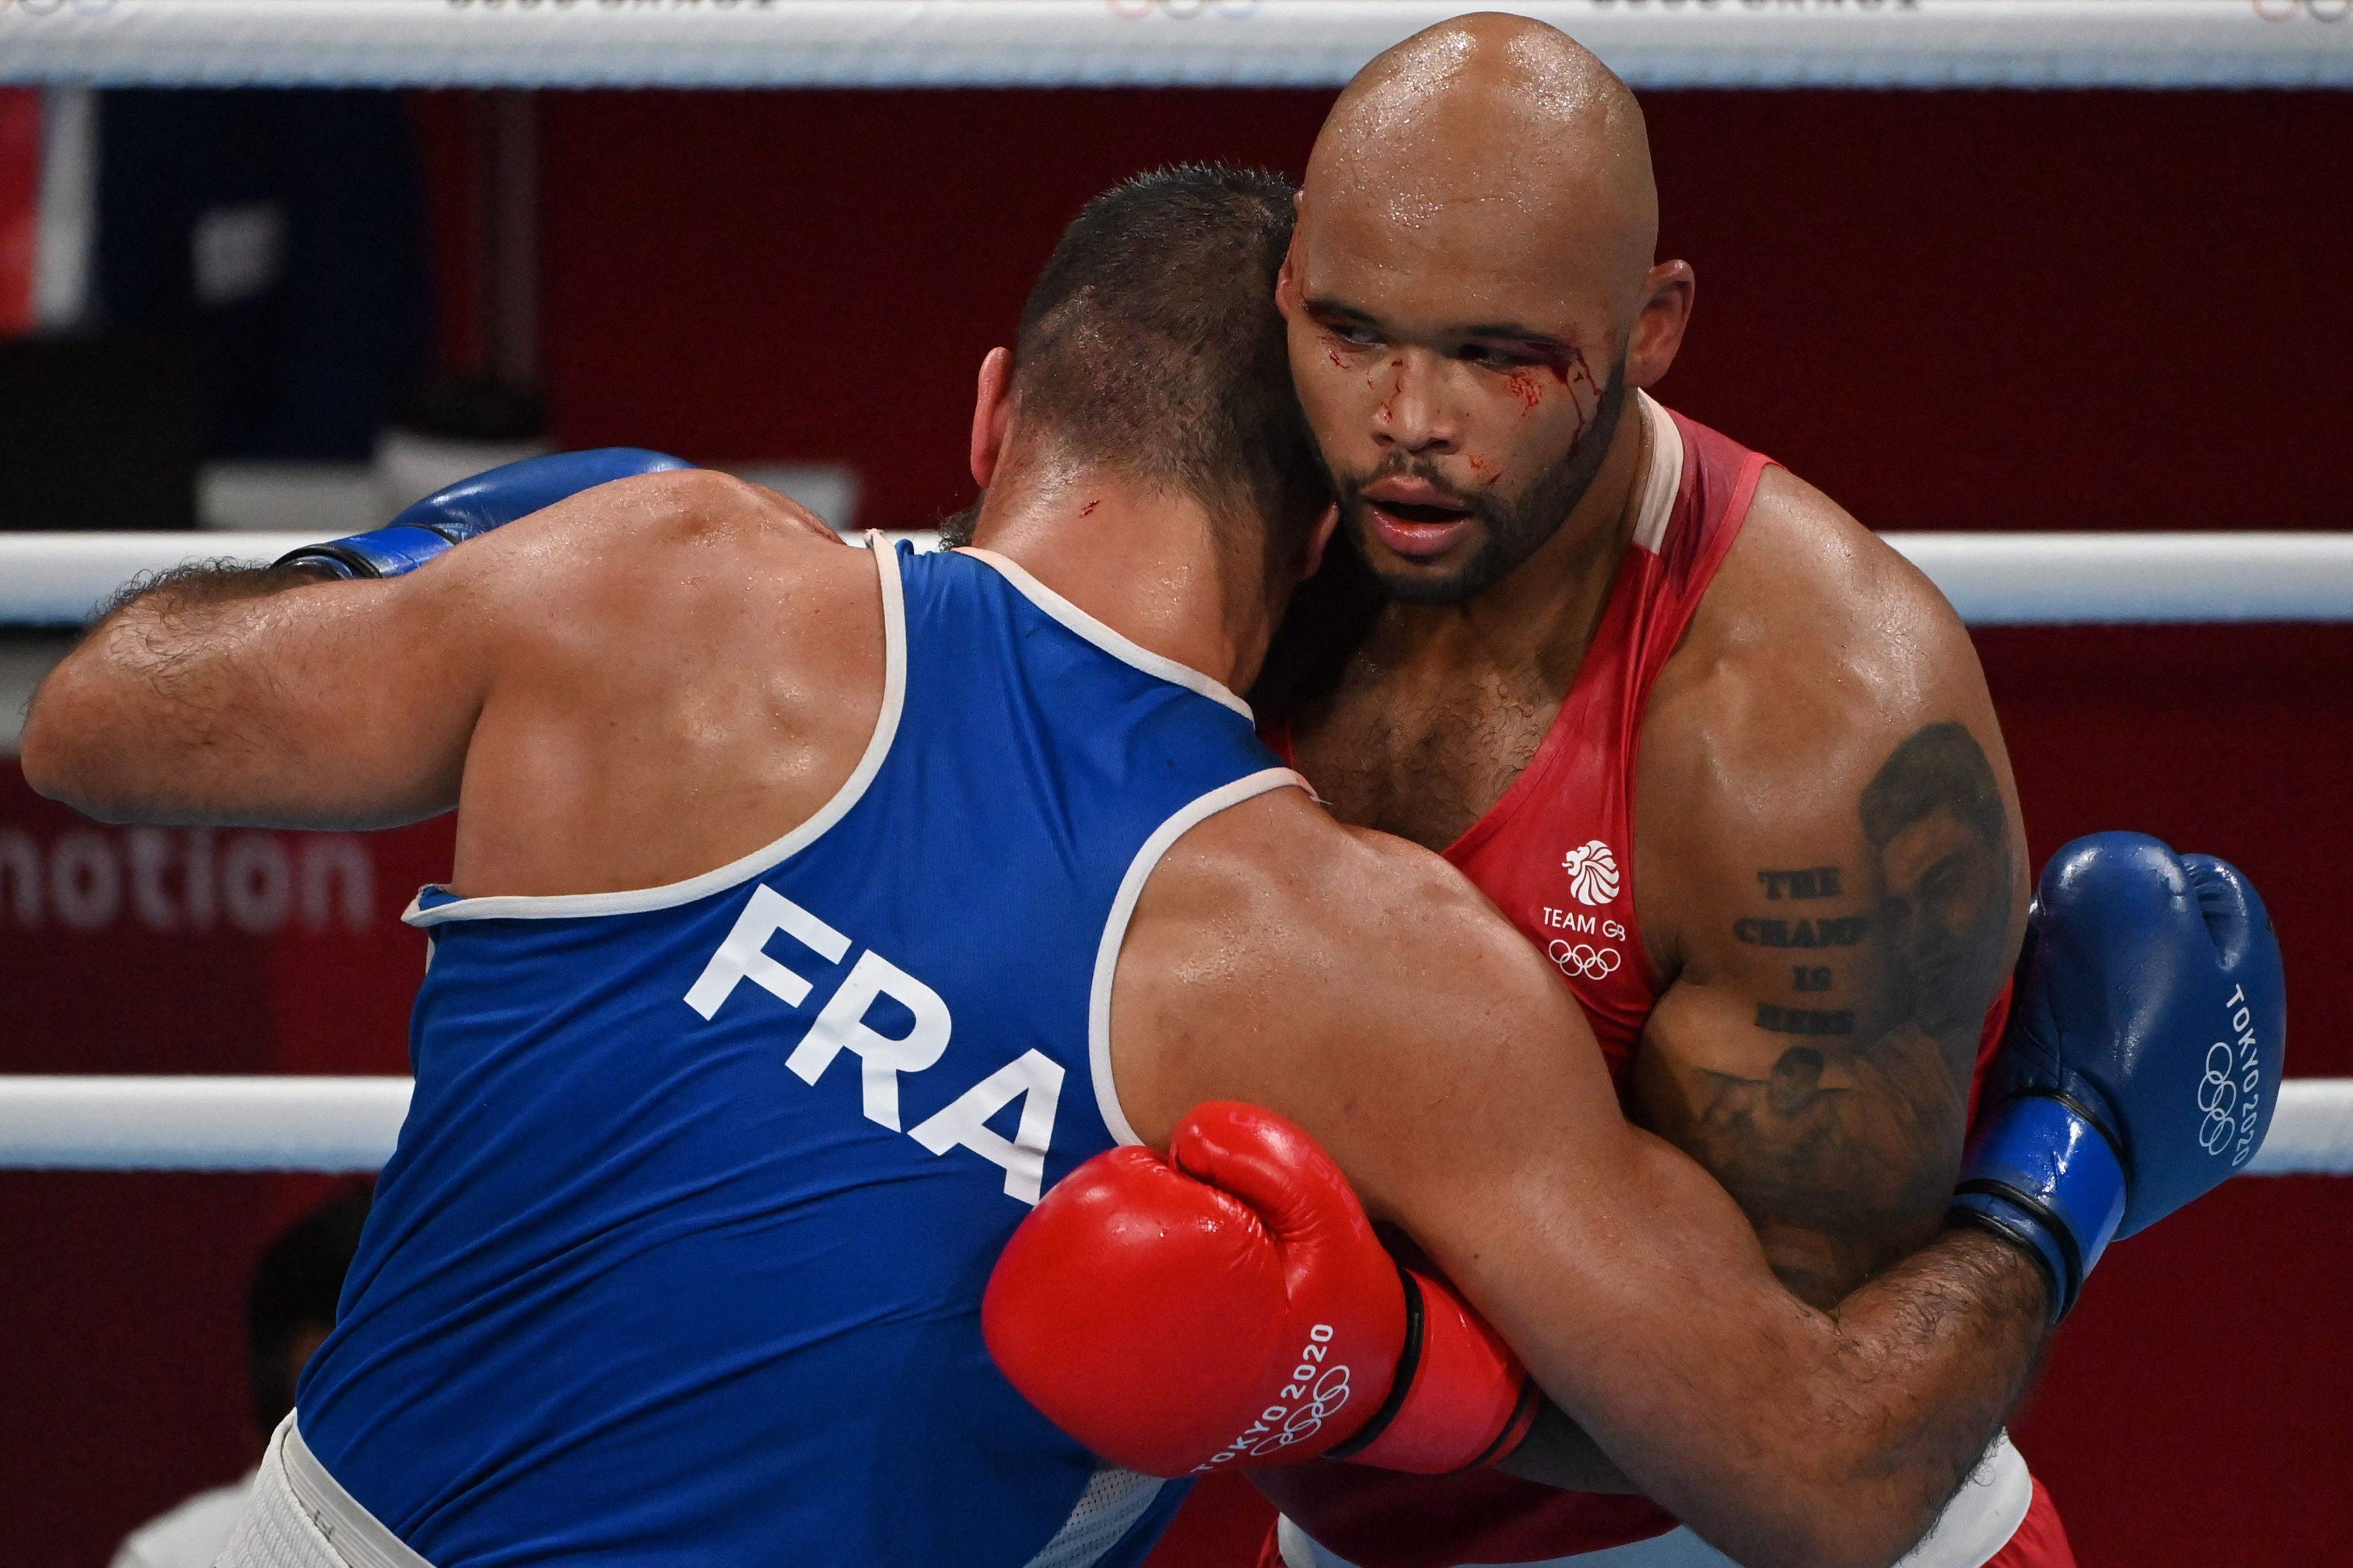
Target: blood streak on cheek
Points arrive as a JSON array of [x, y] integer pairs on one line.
[[1523, 385], [1087, 510], [1569, 367], [1486, 473]]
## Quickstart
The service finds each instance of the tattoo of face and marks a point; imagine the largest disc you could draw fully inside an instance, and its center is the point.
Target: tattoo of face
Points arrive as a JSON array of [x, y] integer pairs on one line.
[[1842, 1153], [1935, 821]]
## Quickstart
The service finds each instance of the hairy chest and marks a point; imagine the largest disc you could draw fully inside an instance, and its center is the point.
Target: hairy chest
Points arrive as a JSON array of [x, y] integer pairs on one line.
[[1425, 758]]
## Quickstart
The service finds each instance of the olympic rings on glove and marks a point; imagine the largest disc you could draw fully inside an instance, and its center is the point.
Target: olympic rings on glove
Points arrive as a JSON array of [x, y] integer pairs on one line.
[[2218, 1097], [1330, 1393]]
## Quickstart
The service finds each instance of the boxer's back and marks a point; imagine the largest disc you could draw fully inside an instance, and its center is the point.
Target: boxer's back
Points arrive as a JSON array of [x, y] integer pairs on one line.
[[683, 1249]]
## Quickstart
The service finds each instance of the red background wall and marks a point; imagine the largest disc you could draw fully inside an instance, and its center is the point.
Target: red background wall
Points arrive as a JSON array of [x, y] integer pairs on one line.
[[1968, 311]]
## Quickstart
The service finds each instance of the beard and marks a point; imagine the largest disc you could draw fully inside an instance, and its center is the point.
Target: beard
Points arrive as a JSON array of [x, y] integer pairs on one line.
[[1511, 528]]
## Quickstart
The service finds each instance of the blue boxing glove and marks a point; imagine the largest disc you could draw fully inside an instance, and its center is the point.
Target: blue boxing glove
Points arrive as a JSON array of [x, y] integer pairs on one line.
[[477, 505], [2143, 1058]]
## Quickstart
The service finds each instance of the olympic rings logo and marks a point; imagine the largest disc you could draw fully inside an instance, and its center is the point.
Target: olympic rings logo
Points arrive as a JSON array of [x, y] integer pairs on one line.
[[1330, 1393], [1318, 1389], [1582, 963], [2288, 10], [2218, 1097]]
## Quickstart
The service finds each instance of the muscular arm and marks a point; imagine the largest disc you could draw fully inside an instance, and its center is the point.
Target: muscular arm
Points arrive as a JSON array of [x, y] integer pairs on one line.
[[632, 686], [266, 697], [1363, 989], [1834, 875], [1833, 862]]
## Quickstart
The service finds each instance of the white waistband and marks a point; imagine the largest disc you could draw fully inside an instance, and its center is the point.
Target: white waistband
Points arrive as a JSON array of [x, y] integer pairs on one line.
[[298, 1517], [1978, 1524]]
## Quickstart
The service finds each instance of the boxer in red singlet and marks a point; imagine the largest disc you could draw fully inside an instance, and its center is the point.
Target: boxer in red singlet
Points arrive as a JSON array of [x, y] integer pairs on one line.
[[1725, 758]]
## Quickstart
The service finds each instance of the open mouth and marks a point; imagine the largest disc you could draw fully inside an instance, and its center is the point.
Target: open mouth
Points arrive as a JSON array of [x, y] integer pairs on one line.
[[1423, 514], [1418, 530]]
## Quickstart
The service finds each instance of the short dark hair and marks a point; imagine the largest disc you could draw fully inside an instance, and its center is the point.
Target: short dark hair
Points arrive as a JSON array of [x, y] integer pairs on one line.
[[296, 1287], [1151, 343]]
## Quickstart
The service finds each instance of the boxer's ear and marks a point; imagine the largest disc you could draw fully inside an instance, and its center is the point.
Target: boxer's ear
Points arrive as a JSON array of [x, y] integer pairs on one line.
[[992, 412], [1659, 326], [1286, 277], [1318, 539]]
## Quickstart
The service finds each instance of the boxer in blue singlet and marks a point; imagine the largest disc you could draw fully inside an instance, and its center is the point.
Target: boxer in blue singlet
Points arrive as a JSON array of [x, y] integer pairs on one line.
[[796, 888], [830, 1099]]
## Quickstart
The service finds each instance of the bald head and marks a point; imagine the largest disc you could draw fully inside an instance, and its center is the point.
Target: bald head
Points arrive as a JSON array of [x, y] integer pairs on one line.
[[1470, 299], [1506, 124]]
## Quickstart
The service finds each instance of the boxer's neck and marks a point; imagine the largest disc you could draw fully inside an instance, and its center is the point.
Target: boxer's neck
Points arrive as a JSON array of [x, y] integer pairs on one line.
[[1146, 562]]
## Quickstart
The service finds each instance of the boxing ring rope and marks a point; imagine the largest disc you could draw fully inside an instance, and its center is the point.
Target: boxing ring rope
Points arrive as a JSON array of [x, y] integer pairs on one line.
[[340, 1124], [128, 1123], [1993, 579], [1165, 43]]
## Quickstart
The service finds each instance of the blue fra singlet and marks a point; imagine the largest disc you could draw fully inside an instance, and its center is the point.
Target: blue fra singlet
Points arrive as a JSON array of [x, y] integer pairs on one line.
[[679, 1258]]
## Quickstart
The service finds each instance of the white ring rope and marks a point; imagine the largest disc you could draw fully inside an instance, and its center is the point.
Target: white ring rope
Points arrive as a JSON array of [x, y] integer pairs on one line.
[[200, 1123], [1105, 43], [1993, 579], [59, 579], [2311, 1132], [351, 1123], [2073, 579]]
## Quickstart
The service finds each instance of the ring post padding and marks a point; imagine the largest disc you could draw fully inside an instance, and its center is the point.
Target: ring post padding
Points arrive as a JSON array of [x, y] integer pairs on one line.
[[352, 1124], [1157, 43], [200, 1123]]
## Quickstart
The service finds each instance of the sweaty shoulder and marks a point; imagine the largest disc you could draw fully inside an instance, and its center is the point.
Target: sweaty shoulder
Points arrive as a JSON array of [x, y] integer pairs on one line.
[[688, 666], [1808, 593], [1817, 653], [671, 544], [1348, 979]]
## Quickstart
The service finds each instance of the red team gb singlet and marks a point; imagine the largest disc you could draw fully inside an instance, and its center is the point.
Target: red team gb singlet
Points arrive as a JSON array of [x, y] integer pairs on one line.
[[1555, 853]]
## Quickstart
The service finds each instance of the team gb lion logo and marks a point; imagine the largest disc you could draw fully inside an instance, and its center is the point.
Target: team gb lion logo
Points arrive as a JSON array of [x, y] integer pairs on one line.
[[1592, 873]]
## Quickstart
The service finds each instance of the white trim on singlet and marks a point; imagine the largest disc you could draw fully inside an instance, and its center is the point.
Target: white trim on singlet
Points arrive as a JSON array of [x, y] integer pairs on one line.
[[1102, 637], [565, 906], [1123, 909], [1664, 478]]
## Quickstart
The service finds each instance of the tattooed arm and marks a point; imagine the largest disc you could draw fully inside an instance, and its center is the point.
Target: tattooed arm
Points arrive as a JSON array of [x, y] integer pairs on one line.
[[1832, 880], [1834, 877]]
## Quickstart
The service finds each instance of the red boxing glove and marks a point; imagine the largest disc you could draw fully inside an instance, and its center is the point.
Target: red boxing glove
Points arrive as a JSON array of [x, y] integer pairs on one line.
[[1230, 1305]]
